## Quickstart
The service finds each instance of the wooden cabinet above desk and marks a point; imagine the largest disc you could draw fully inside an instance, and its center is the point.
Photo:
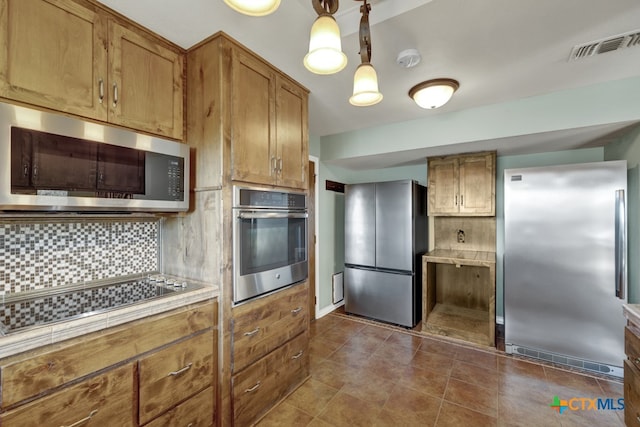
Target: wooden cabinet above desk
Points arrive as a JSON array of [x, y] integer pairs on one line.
[[459, 295]]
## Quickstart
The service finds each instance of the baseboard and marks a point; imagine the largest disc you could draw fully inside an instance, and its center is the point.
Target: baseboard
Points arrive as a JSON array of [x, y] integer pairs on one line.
[[326, 310]]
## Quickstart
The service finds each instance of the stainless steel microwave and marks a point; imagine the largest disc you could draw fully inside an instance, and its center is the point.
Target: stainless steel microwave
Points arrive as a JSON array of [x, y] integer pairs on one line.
[[51, 162]]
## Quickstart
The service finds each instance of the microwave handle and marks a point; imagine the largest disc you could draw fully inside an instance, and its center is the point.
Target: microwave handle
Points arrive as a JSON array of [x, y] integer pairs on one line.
[[267, 215]]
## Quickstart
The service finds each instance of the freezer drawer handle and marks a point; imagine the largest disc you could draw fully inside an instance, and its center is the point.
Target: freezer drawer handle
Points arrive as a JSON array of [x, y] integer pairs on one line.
[[296, 310], [84, 420], [179, 371], [251, 333], [254, 388], [620, 245]]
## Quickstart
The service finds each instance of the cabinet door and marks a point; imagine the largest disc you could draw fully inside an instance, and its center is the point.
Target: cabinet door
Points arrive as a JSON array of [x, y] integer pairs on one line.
[[145, 83], [477, 184], [253, 153], [53, 54], [292, 135], [100, 401], [443, 186]]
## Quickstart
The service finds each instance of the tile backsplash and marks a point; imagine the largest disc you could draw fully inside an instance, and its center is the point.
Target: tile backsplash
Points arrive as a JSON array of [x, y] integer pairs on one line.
[[38, 255]]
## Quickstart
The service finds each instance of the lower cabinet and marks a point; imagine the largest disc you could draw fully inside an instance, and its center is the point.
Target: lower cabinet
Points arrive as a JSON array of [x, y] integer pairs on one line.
[[101, 400], [257, 388], [632, 376], [270, 340], [169, 376], [158, 371]]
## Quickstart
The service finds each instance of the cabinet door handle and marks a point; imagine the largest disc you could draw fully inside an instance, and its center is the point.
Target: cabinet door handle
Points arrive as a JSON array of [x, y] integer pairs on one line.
[[115, 94], [280, 164], [254, 388], [25, 171], [296, 310], [274, 166], [100, 90], [456, 200], [84, 420], [297, 356], [179, 371], [461, 200], [252, 333]]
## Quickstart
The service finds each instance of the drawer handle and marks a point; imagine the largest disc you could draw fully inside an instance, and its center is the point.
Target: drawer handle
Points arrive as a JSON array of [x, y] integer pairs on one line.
[[637, 360], [298, 356], [84, 420], [296, 310], [254, 388], [252, 333], [179, 371]]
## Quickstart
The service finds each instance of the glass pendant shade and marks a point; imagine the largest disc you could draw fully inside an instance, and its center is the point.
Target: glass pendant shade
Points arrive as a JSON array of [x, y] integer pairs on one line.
[[325, 48], [365, 86], [433, 93], [253, 7]]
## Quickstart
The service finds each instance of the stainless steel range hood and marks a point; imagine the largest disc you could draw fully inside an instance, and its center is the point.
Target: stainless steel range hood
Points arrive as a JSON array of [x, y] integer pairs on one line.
[[51, 162]]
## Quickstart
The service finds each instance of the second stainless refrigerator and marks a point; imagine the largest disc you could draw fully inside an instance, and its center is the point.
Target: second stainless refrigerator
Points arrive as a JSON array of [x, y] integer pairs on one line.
[[385, 236]]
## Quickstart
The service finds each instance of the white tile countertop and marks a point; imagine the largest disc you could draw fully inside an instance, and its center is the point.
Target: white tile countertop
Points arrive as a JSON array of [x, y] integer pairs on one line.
[[632, 313], [37, 336]]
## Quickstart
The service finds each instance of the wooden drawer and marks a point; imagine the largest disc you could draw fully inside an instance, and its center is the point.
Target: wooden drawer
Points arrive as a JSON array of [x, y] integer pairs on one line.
[[172, 375], [631, 394], [34, 373], [260, 326], [199, 411], [108, 398], [265, 382]]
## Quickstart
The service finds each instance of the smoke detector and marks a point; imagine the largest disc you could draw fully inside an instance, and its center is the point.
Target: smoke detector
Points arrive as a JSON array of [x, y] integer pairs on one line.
[[408, 58]]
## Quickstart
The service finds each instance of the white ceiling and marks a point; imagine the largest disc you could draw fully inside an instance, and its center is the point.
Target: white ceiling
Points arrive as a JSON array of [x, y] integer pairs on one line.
[[499, 50]]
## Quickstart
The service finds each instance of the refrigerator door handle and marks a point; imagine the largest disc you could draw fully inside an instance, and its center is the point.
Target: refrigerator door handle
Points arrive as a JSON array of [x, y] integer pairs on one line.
[[620, 245]]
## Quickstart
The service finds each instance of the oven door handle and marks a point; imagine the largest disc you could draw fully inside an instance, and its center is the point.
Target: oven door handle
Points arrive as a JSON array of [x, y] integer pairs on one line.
[[268, 215]]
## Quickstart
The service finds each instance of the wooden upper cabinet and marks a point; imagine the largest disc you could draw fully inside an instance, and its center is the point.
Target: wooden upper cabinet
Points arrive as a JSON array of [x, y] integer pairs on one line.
[[61, 55], [291, 134], [145, 83], [269, 141], [53, 54], [462, 185], [253, 143]]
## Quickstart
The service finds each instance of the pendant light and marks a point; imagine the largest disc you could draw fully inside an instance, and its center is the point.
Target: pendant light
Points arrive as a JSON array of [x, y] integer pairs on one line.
[[365, 80], [433, 93], [325, 47], [253, 7]]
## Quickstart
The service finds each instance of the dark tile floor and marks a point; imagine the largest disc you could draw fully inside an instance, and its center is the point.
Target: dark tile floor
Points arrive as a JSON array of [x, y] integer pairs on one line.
[[369, 374]]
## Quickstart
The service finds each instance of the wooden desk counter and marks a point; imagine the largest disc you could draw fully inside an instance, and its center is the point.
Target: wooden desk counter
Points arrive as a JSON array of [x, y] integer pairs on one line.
[[459, 289]]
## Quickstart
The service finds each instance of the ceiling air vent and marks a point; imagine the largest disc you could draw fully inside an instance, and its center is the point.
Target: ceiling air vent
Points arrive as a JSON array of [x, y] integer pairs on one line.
[[609, 44]]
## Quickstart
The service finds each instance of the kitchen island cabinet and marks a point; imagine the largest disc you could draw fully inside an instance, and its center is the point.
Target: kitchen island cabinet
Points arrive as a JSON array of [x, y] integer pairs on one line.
[[459, 295], [135, 372], [462, 185], [80, 58], [632, 365]]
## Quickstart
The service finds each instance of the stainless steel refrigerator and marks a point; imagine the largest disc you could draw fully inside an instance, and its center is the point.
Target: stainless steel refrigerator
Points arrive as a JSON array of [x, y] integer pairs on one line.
[[385, 236], [565, 264]]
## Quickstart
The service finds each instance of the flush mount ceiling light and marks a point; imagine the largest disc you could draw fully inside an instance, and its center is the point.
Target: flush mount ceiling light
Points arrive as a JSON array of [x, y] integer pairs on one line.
[[325, 47], [253, 7], [433, 93], [365, 80]]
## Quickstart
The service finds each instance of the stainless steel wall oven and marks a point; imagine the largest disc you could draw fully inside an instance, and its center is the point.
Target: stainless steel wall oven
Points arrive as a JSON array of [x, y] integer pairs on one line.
[[269, 241]]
